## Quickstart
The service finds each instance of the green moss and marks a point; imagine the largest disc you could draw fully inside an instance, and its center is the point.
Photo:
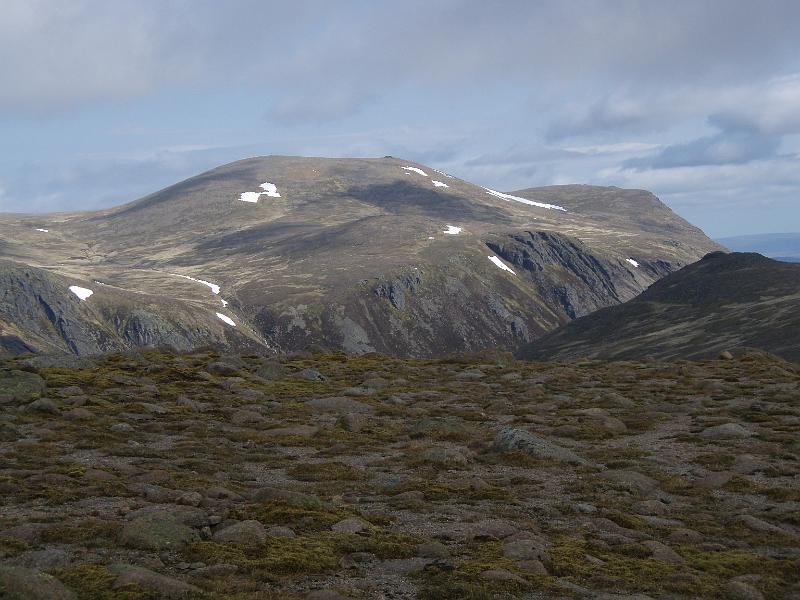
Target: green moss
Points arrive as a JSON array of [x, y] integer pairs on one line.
[[302, 517], [10, 547], [92, 532], [94, 582]]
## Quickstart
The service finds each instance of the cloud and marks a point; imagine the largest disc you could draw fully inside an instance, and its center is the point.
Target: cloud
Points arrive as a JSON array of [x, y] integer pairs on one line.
[[320, 107]]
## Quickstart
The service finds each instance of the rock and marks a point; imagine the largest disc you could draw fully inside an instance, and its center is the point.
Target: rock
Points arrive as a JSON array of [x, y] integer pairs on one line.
[[354, 422], [650, 507], [157, 531], [739, 590], [526, 549], [432, 550], [121, 428], [404, 566], [447, 458], [359, 391], [311, 375], [21, 385], [19, 583], [351, 525], [189, 499], [167, 587], [305, 431], [246, 417], [43, 405], [279, 531], [725, 355], [45, 559], [536, 446], [222, 368], [299, 499], [726, 431], [220, 493], [662, 552], [534, 567], [685, 536], [756, 524], [78, 414], [713, 480], [632, 480], [492, 529], [72, 390], [504, 576], [245, 533], [339, 405]]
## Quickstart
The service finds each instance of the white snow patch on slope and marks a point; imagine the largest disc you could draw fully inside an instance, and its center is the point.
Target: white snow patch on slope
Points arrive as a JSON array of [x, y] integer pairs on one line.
[[443, 173], [226, 319], [416, 170], [249, 196], [81, 292], [270, 189], [42, 230], [439, 184], [524, 200], [452, 230], [501, 264], [214, 287], [633, 262], [224, 302]]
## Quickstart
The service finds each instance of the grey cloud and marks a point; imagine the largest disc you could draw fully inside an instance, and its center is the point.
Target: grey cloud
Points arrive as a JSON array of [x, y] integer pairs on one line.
[[735, 147]]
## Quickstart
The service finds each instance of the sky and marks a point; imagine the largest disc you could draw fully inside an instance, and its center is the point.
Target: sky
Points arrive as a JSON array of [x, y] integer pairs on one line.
[[697, 101]]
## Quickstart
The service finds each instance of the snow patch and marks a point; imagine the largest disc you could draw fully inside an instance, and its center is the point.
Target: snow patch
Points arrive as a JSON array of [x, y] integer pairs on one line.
[[226, 319], [224, 302], [270, 189], [633, 262], [440, 184], [214, 287], [430, 237], [249, 196], [501, 264], [42, 230], [81, 292], [416, 170], [524, 200], [443, 173], [452, 230]]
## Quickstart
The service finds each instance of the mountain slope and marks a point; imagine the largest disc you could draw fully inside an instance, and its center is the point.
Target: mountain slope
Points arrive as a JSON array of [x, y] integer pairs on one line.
[[355, 254], [724, 301]]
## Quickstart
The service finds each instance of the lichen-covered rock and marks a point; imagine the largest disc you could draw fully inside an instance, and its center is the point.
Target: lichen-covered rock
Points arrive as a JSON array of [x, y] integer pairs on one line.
[[156, 531], [534, 445], [21, 385]]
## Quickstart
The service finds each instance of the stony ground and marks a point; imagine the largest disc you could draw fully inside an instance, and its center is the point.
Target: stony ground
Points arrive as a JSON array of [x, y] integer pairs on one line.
[[326, 476]]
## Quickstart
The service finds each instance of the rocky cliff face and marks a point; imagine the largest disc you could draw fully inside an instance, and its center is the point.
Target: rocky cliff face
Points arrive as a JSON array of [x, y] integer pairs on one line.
[[355, 254]]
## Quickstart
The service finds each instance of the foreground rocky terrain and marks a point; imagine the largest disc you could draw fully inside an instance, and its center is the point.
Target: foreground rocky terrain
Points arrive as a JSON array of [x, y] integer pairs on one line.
[[723, 301], [200, 476], [358, 255]]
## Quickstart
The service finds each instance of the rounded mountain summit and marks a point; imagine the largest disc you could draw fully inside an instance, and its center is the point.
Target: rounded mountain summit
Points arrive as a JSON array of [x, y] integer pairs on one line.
[[359, 254]]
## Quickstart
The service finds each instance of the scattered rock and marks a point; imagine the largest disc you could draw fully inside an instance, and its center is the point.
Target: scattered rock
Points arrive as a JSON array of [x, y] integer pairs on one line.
[[526, 549], [279, 531], [21, 385], [43, 405], [726, 431], [19, 583], [662, 552], [157, 531], [311, 375], [245, 533], [536, 446], [351, 525], [739, 590], [164, 586], [503, 575], [632, 480], [339, 405]]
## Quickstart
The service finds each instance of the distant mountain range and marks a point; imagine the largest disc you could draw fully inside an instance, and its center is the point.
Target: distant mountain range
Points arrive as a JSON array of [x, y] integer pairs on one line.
[[723, 302], [780, 246], [282, 253]]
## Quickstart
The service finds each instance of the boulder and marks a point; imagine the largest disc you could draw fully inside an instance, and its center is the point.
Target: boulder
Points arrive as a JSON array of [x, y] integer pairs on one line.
[[162, 585], [726, 431], [19, 583], [519, 440], [21, 385], [248, 533], [157, 531]]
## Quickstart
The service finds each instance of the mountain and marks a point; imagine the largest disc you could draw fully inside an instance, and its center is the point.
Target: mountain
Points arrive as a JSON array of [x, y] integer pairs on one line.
[[723, 302], [780, 246], [355, 254]]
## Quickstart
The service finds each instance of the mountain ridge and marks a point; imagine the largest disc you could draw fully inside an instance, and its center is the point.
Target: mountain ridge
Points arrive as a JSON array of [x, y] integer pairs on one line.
[[330, 246]]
